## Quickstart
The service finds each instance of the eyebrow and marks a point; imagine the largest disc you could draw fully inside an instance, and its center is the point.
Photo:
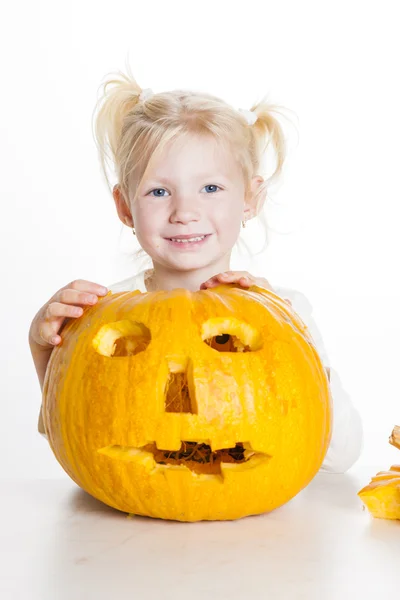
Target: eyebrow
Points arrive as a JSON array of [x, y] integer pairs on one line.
[[203, 176]]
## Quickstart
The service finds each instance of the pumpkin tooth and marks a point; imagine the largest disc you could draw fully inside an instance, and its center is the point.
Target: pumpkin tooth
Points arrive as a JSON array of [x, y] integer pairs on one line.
[[193, 455]]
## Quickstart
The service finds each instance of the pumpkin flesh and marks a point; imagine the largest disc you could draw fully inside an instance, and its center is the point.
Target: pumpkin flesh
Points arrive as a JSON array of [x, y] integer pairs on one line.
[[382, 495]]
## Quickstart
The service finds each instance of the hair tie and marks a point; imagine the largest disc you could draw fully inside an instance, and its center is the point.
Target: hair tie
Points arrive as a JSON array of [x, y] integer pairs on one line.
[[250, 116], [146, 94]]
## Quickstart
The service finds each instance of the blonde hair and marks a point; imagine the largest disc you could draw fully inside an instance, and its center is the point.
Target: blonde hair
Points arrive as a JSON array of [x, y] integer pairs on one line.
[[129, 133]]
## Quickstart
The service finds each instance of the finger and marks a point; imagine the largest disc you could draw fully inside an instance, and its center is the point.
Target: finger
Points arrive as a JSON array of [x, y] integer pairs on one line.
[[243, 278], [58, 313], [231, 275], [57, 309], [48, 332], [209, 284], [79, 286], [227, 277], [242, 281], [55, 316], [246, 281], [87, 286], [216, 282], [71, 296], [213, 281]]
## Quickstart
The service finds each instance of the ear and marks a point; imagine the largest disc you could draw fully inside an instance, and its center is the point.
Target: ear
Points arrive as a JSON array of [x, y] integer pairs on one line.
[[254, 199], [122, 206]]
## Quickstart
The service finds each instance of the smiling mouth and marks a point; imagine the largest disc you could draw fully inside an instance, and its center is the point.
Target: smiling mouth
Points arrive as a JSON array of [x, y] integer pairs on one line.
[[195, 239], [195, 456]]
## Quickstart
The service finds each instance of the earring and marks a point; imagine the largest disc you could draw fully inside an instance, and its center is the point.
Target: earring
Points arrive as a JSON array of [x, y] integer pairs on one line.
[[244, 223], [133, 231]]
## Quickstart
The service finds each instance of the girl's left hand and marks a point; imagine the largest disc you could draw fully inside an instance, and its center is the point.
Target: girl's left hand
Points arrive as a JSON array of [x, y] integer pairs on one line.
[[243, 278]]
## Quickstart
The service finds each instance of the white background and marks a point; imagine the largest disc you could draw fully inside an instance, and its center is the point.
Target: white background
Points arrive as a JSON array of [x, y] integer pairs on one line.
[[334, 212]]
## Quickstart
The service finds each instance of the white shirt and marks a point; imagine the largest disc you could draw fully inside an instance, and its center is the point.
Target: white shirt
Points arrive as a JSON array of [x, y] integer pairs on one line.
[[347, 432]]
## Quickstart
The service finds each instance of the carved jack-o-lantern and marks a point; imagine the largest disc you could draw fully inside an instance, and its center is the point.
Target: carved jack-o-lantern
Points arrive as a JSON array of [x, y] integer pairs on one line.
[[188, 405]]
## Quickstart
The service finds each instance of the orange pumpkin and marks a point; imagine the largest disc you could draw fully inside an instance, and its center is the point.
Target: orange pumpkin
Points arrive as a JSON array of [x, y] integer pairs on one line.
[[382, 495], [189, 405]]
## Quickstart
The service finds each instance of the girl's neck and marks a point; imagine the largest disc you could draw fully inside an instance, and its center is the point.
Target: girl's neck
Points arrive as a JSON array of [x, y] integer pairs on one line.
[[163, 278]]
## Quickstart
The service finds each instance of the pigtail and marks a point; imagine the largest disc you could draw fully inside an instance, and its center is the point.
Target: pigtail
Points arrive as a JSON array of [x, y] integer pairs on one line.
[[269, 135], [109, 115], [266, 133]]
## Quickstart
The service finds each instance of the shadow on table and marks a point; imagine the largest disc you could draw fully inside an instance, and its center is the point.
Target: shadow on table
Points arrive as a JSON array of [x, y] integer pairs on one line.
[[338, 490], [81, 502]]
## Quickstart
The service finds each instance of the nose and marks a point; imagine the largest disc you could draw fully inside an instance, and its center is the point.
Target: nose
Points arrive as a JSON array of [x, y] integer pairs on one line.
[[185, 209]]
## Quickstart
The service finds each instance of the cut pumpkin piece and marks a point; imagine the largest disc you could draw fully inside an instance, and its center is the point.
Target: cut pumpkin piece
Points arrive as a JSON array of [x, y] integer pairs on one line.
[[384, 475], [382, 495], [395, 437]]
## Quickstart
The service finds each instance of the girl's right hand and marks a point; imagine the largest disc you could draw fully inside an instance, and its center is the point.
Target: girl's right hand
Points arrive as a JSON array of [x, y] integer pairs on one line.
[[68, 302]]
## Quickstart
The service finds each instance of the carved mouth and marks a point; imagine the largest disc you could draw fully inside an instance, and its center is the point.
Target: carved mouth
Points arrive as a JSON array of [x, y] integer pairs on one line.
[[198, 457]]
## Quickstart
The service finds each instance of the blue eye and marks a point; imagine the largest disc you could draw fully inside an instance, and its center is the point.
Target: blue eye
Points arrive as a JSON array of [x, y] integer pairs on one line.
[[212, 185], [157, 190]]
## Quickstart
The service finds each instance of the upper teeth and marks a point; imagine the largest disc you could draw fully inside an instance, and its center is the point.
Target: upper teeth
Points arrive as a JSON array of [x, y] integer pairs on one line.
[[193, 239]]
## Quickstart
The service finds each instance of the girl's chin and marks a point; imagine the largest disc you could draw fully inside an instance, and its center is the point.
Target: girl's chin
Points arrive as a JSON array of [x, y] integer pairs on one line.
[[186, 262]]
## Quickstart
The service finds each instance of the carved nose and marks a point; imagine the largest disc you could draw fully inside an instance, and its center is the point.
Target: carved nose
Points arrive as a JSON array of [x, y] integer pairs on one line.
[[179, 390]]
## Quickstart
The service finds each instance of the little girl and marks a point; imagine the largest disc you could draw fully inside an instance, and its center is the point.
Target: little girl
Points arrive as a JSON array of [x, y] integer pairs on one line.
[[188, 170]]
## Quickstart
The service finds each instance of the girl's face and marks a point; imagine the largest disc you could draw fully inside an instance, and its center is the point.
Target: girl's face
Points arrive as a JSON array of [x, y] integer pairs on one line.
[[195, 189]]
